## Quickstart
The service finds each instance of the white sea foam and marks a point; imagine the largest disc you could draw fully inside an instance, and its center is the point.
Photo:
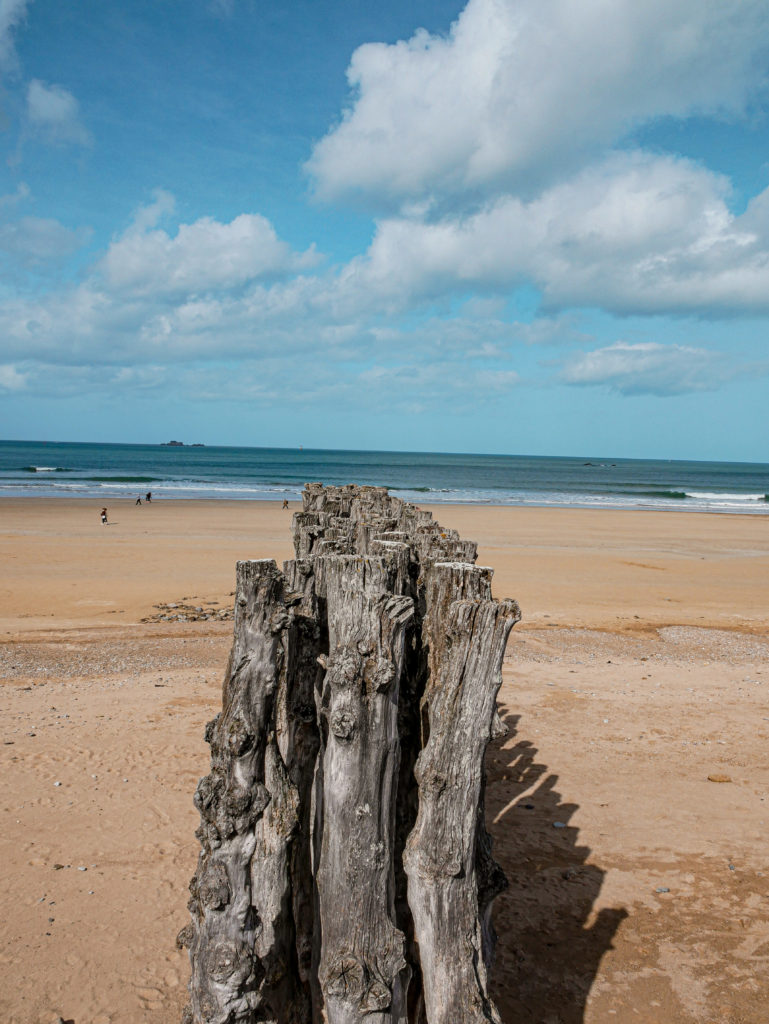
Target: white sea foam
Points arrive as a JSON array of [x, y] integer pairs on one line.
[[715, 496], [113, 473]]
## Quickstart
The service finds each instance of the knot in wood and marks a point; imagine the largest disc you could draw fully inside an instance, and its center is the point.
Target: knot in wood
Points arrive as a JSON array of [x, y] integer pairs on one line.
[[208, 835], [379, 674], [344, 667], [238, 800], [279, 621], [214, 887], [208, 788], [377, 997], [343, 723], [345, 978], [239, 738], [230, 961], [430, 780], [224, 828]]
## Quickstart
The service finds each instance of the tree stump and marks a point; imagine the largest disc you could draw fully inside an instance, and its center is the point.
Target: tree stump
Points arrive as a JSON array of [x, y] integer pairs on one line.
[[346, 873]]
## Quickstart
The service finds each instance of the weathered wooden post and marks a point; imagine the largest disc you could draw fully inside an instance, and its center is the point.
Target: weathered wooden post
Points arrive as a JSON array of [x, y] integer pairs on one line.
[[346, 873]]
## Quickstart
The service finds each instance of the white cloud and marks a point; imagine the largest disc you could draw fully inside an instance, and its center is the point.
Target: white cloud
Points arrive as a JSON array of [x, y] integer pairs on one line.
[[11, 13], [493, 142], [272, 381], [54, 380], [35, 241], [635, 233], [521, 91], [54, 113], [11, 379], [202, 256], [649, 368], [151, 214]]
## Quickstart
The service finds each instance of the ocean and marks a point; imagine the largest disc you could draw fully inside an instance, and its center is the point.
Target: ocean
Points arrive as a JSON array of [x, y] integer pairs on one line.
[[108, 471]]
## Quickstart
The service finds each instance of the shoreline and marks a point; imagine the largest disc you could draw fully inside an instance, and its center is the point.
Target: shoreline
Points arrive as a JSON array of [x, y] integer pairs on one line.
[[620, 570], [295, 504]]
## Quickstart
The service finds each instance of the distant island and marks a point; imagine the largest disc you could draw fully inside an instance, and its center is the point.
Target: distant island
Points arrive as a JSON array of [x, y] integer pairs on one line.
[[181, 444]]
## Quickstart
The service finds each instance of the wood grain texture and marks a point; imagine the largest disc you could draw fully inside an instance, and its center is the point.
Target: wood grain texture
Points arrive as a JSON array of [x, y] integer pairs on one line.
[[346, 873]]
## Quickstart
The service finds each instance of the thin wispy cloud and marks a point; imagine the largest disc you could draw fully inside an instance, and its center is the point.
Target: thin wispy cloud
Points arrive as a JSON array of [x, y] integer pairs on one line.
[[649, 368], [54, 114], [11, 15], [39, 241]]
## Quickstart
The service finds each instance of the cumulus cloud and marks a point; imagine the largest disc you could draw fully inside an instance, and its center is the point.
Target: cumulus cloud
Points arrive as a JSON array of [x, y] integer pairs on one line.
[[522, 91], [649, 368], [201, 256], [54, 114], [633, 234]]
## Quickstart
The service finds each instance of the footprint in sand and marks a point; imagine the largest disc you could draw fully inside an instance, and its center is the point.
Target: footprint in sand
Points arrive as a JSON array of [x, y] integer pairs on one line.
[[152, 998]]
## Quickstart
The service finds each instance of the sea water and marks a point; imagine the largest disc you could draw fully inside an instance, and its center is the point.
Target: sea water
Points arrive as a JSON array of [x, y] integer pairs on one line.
[[108, 471]]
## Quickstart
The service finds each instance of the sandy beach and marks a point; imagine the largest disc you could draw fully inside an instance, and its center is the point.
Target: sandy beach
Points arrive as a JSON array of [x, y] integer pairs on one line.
[[635, 691]]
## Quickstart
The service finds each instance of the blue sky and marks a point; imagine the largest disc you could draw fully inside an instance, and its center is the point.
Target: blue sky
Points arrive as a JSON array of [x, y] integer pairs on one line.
[[523, 226]]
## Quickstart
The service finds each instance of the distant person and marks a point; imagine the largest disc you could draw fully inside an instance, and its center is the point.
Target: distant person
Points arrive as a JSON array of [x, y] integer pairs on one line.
[[148, 497], [285, 503], [103, 515], [139, 500]]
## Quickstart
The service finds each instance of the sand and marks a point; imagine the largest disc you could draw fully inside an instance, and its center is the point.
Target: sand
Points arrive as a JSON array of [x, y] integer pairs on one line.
[[640, 670]]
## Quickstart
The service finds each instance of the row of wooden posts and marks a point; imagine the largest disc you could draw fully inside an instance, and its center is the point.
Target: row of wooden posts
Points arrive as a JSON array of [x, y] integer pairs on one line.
[[346, 873]]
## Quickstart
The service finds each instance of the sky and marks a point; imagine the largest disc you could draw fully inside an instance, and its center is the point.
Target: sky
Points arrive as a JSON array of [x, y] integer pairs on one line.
[[512, 226]]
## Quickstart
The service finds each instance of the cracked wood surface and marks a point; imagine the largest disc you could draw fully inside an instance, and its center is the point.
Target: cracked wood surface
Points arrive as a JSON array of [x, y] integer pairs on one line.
[[345, 872]]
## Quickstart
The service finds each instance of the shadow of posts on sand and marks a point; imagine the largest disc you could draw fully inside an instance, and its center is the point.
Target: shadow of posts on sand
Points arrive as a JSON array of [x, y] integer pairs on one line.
[[550, 943]]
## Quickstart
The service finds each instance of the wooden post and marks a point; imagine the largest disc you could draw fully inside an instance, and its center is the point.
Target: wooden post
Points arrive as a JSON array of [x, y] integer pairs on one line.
[[346, 873]]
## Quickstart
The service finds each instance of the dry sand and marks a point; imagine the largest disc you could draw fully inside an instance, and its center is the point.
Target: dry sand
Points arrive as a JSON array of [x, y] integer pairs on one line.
[[640, 670]]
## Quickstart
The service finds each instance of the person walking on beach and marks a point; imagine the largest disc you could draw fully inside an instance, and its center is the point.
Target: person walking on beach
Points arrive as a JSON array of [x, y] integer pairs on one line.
[[285, 503], [139, 500], [148, 497], [103, 514]]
